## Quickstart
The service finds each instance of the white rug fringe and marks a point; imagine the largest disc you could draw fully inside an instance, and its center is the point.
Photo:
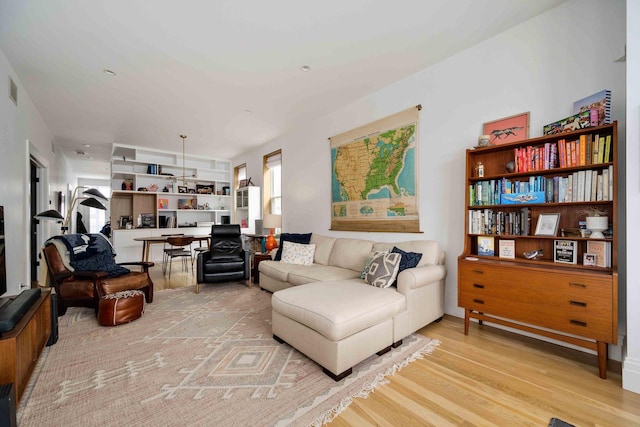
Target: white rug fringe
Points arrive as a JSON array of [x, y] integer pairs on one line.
[[378, 381]]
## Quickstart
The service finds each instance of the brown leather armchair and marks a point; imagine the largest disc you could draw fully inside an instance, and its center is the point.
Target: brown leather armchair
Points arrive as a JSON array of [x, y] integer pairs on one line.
[[84, 288]]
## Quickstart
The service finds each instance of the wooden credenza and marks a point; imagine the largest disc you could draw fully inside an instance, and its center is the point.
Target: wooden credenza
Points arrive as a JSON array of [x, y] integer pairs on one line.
[[578, 307], [21, 347]]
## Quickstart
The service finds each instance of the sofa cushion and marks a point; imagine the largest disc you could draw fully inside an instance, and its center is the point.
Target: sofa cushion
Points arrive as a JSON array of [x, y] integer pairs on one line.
[[278, 270], [324, 245], [429, 249], [320, 273], [350, 253], [384, 270], [297, 253], [329, 309], [408, 260], [291, 237], [367, 263]]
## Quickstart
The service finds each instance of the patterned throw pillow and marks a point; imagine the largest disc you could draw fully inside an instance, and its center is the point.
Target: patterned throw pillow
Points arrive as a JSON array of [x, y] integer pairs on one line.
[[297, 253], [384, 270], [291, 237], [409, 260], [367, 263]]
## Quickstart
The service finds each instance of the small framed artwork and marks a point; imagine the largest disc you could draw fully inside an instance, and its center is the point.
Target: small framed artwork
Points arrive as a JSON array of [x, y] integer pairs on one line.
[[507, 249], [565, 251], [509, 129], [182, 189], [547, 224], [589, 259], [191, 191], [243, 183], [163, 203], [486, 246]]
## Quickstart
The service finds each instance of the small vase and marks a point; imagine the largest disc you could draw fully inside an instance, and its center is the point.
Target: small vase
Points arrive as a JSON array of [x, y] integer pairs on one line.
[[597, 224]]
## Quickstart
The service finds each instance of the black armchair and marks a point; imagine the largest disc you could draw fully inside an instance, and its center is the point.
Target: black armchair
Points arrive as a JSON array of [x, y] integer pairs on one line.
[[225, 260]]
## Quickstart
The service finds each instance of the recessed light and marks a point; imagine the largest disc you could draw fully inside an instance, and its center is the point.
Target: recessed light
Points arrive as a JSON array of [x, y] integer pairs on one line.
[[86, 145], [109, 72], [247, 111], [90, 158], [305, 68]]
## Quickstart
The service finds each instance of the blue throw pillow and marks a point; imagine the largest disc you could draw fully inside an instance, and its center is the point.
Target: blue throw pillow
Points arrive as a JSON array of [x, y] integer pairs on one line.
[[408, 260], [291, 237]]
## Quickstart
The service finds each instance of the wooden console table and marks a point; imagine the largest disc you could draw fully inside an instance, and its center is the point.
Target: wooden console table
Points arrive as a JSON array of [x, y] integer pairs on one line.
[[21, 347]]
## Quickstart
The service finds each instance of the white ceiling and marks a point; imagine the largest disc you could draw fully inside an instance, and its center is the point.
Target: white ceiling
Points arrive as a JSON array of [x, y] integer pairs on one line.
[[195, 67]]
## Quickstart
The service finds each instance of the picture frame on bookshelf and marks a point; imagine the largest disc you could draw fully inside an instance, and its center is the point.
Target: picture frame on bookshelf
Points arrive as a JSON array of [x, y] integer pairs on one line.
[[507, 248], [182, 189], [547, 224], [589, 259], [508, 129], [163, 203], [486, 246], [565, 251]]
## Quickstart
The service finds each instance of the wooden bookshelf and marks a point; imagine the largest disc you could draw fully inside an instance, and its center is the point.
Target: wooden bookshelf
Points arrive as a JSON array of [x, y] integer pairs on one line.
[[574, 303]]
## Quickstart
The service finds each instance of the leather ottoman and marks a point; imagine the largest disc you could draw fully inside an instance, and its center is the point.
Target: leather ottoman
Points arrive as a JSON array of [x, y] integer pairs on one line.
[[120, 307]]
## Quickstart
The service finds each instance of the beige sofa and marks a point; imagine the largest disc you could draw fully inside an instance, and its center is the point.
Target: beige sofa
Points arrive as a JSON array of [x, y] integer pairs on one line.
[[326, 311]]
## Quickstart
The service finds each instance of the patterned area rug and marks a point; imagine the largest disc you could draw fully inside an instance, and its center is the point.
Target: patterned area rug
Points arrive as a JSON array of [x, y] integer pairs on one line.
[[196, 360]]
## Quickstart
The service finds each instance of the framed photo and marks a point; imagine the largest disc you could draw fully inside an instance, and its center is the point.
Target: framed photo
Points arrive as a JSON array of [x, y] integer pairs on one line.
[[243, 183], [182, 189], [191, 191], [547, 224], [565, 251], [509, 129], [589, 259]]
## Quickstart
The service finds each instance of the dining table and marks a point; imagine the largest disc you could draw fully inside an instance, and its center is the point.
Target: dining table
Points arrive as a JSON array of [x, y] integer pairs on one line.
[[150, 240]]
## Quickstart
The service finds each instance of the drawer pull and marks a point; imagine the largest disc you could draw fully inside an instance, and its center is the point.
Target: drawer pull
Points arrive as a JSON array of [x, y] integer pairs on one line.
[[578, 323], [577, 285], [478, 271], [578, 303], [479, 301], [479, 286]]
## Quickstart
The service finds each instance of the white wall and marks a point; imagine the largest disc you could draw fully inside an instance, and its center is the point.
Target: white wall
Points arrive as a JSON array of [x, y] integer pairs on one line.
[[540, 66], [631, 366], [23, 133]]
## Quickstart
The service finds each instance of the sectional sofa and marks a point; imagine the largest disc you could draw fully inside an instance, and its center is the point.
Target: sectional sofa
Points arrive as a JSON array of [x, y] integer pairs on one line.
[[332, 315]]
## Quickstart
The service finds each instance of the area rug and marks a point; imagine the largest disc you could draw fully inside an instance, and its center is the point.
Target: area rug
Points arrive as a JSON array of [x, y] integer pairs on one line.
[[193, 359]]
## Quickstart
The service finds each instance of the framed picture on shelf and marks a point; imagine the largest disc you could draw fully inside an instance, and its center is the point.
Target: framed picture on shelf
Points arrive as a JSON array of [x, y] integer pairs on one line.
[[163, 203], [547, 224], [486, 246], [589, 259], [565, 251], [191, 191], [507, 249], [182, 189], [243, 183], [509, 129]]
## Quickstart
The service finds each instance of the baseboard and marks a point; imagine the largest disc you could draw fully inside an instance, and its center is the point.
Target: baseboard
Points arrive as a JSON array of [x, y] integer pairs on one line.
[[631, 374]]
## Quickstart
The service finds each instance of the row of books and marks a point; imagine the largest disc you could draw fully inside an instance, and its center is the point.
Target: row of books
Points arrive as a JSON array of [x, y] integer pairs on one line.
[[488, 221], [586, 150], [581, 186], [167, 221]]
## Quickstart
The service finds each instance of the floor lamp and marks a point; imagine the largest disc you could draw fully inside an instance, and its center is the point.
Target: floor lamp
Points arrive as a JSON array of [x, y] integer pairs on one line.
[[90, 197], [271, 221]]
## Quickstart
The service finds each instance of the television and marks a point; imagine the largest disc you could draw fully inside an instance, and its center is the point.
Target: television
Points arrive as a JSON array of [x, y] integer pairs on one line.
[[3, 263]]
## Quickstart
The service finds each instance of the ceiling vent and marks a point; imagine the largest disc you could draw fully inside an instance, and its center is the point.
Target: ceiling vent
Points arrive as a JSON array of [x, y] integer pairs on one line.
[[13, 91]]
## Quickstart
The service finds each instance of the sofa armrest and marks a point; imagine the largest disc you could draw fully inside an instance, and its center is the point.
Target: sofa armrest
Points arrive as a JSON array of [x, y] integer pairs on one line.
[[413, 278]]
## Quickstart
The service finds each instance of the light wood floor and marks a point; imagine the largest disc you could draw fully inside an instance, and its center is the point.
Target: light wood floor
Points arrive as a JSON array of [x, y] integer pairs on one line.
[[490, 377]]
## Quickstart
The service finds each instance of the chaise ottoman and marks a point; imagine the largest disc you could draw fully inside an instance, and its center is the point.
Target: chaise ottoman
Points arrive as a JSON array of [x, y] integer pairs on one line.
[[337, 324]]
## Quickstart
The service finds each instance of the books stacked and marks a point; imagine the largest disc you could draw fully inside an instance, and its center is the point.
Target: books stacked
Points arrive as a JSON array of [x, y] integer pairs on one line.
[[602, 251]]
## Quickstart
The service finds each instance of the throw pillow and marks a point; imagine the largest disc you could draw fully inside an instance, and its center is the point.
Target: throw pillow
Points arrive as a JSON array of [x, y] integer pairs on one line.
[[367, 263], [408, 260], [384, 270], [297, 253], [291, 237]]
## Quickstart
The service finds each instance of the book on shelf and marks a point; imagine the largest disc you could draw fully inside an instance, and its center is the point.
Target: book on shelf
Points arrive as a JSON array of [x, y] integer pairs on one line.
[[565, 251], [574, 122], [602, 250], [486, 245], [507, 249], [598, 105]]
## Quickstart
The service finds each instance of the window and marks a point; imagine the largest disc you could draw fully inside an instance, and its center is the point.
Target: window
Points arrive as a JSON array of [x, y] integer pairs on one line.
[[240, 173], [273, 182]]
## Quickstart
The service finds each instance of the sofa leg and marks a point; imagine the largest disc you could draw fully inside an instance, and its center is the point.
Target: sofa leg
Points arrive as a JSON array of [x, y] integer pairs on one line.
[[197, 288], [339, 376], [396, 344], [384, 350], [280, 340]]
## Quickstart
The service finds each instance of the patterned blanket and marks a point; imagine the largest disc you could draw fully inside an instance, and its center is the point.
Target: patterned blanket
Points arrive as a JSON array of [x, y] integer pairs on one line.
[[91, 252]]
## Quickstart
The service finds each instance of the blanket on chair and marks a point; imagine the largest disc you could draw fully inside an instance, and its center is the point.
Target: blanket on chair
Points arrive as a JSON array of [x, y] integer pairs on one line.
[[91, 252]]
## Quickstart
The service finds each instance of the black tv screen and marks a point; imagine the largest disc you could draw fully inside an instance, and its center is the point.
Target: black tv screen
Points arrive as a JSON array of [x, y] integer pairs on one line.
[[3, 264]]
